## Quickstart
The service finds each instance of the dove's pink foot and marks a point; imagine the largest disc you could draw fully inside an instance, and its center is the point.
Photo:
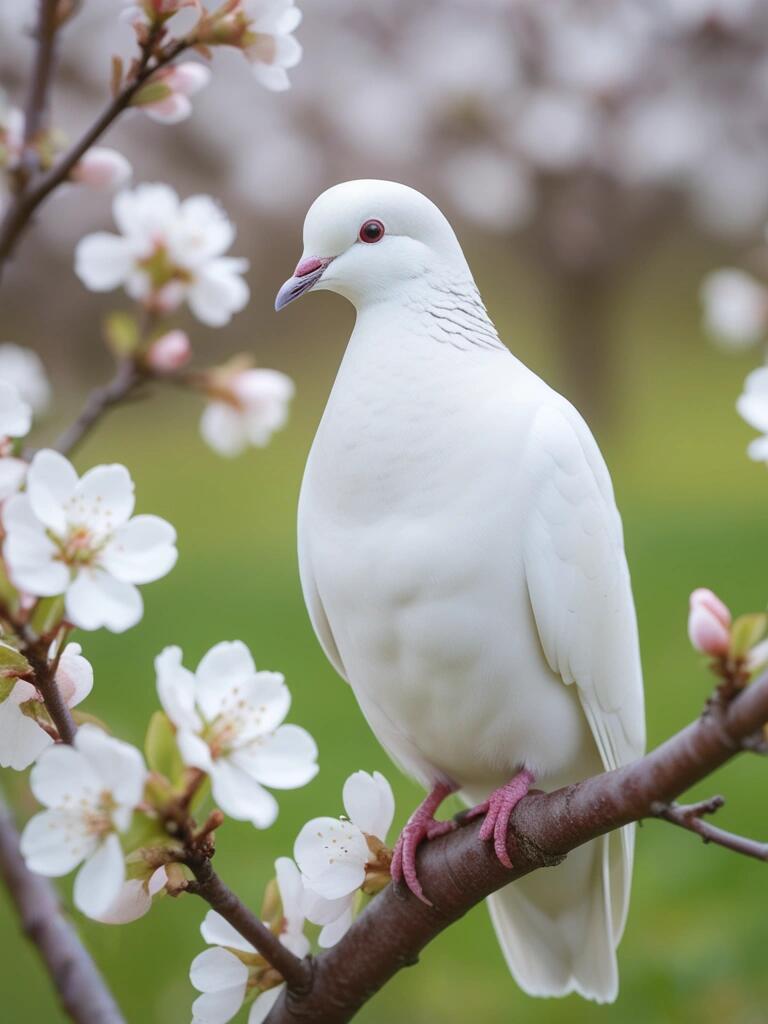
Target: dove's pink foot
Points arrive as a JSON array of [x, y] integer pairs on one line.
[[420, 826], [498, 810]]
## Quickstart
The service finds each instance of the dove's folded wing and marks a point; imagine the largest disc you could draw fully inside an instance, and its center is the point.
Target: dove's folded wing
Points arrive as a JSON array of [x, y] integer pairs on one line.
[[577, 577]]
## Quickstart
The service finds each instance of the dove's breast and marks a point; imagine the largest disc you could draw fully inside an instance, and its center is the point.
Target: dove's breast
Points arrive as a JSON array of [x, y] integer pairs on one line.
[[410, 523]]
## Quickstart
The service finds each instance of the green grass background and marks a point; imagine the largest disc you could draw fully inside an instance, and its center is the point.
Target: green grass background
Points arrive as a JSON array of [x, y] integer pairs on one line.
[[695, 514]]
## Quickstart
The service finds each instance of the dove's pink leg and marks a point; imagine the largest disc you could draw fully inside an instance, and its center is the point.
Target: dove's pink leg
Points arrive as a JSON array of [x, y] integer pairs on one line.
[[420, 826], [498, 810]]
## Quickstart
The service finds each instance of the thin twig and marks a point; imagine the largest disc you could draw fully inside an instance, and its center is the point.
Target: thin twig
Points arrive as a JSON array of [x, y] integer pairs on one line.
[[45, 681], [128, 376], [28, 199], [78, 982], [689, 816], [36, 109], [297, 973]]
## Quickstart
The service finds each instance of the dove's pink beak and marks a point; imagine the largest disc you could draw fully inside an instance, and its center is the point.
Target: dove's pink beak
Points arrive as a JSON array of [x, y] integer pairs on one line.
[[305, 276]]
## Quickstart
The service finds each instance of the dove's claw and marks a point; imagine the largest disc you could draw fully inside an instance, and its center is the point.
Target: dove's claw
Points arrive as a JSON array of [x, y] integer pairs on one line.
[[420, 826], [498, 810]]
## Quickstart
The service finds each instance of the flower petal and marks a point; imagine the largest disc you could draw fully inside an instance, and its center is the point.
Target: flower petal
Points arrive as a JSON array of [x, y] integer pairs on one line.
[[218, 932], [369, 803], [100, 879], [12, 475], [63, 777], [335, 930], [74, 675], [218, 291], [103, 261], [145, 211], [331, 855], [240, 796], [96, 599], [263, 1003], [141, 551], [51, 482], [30, 555], [118, 766], [15, 414], [22, 740], [285, 760], [226, 667], [194, 751], [176, 690], [223, 429], [132, 902], [54, 842], [103, 499]]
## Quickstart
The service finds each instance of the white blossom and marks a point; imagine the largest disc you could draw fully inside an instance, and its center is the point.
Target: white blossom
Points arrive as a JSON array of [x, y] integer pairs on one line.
[[22, 714], [134, 898], [15, 413], [248, 409], [735, 307], [24, 369], [102, 168], [182, 81], [333, 853], [77, 537], [272, 49], [752, 405], [228, 720], [90, 791], [168, 251], [224, 973]]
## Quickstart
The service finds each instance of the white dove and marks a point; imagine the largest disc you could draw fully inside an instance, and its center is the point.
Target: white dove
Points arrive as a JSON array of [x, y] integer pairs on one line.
[[462, 562]]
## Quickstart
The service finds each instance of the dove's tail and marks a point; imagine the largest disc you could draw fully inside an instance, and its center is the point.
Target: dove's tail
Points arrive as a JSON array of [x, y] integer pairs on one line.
[[559, 927]]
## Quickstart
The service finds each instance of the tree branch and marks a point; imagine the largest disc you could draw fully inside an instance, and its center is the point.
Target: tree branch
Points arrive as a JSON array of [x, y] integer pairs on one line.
[[28, 199], [45, 680], [210, 887], [79, 984], [458, 870], [36, 110], [127, 378], [689, 816]]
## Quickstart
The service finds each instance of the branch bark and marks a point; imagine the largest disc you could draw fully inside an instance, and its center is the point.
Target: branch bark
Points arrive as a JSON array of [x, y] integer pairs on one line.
[[78, 982], [689, 816], [458, 870], [125, 381], [36, 109], [29, 198]]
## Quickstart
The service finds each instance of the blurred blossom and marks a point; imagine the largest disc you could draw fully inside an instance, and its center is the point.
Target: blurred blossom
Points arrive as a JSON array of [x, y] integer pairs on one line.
[[178, 82], [271, 47], [556, 130], [102, 167], [170, 352], [168, 251], [498, 198], [335, 854], [225, 972], [735, 307], [23, 718], [24, 369], [134, 899], [90, 791], [229, 724], [15, 414], [752, 405], [246, 409], [77, 537]]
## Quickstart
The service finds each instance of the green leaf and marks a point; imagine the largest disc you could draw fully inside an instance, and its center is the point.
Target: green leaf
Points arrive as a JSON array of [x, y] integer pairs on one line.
[[747, 631], [122, 334], [47, 616], [161, 749], [153, 92], [9, 596], [12, 662], [6, 685]]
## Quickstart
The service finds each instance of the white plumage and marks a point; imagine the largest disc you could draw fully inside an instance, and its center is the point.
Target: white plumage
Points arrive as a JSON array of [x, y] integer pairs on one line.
[[462, 562]]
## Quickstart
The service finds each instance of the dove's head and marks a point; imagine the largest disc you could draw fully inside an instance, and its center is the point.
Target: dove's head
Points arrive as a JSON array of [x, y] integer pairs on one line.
[[366, 239]]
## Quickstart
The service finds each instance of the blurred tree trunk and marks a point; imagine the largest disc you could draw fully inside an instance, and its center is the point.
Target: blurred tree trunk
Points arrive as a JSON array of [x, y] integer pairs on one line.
[[581, 300]]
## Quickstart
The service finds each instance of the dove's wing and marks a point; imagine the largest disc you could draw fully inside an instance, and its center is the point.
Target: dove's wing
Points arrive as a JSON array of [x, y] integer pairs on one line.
[[577, 577]]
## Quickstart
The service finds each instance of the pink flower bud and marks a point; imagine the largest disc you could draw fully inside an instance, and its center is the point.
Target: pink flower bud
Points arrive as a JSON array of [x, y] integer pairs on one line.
[[709, 622], [102, 167], [170, 352], [170, 110], [188, 77]]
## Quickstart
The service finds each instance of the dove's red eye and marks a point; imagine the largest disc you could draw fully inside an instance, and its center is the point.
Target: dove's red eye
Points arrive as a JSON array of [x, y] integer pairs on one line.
[[372, 231]]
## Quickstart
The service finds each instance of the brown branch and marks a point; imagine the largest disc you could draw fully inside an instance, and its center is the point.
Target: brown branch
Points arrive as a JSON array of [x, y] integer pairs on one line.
[[79, 984], [458, 870], [36, 109], [128, 376], [36, 653], [689, 816], [28, 199], [220, 897]]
